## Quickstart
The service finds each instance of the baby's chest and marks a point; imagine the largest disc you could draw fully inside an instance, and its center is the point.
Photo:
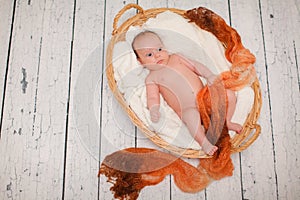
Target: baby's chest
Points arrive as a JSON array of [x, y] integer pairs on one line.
[[169, 77]]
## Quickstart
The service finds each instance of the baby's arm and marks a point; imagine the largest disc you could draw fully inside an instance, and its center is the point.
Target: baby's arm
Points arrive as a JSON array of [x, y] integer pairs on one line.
[[204, 72], [200, 69], [153, 99]]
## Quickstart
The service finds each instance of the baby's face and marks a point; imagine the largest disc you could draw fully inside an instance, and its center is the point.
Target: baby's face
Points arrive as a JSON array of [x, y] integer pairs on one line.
[[150, 50]]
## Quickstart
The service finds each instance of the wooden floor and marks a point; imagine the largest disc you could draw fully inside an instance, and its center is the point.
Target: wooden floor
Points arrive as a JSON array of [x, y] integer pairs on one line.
[[54, 135]]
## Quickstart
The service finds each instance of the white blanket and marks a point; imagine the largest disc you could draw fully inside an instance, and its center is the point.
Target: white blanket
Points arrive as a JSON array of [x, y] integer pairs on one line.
[[185, 38]]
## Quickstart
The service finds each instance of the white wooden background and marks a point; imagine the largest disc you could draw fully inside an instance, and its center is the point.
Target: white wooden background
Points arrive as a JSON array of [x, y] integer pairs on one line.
[[46, 50]]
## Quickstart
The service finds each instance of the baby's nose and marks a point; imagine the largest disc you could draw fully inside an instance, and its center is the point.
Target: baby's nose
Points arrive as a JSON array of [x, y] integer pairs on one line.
[[157, 54]]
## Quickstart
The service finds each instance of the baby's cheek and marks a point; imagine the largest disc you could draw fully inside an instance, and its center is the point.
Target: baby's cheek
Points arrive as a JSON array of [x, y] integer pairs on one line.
[[150, 61]]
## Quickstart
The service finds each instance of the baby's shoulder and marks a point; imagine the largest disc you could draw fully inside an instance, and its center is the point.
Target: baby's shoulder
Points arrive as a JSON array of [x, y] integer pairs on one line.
[[175, 56], [154, 76], [183, 59], [179, 56], [150, 77]]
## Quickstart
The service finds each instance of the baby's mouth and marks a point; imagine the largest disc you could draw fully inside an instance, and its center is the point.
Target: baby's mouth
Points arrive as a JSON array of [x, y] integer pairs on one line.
[[160, 62]]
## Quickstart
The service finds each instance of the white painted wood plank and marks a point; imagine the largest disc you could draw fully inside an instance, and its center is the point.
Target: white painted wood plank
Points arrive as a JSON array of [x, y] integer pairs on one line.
[[161, 190], [117, 131], [84, 128], [148, 4], [297, 56], [6, 16], [284, 91], [32, 143], [257, 181], [18, 117], [220, 7]]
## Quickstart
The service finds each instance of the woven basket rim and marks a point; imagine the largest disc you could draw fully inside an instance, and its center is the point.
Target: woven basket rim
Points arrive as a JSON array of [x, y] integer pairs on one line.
[[240, 142]]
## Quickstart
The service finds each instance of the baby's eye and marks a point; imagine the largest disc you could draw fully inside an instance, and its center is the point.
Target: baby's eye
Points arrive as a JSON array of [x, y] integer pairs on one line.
[[149, 54], [160, 49]]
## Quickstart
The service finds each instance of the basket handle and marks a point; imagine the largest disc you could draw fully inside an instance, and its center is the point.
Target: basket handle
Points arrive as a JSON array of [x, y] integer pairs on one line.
[[121, 12]]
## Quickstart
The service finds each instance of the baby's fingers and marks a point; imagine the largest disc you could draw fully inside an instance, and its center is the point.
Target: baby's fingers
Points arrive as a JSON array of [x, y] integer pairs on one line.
[[155, 117]]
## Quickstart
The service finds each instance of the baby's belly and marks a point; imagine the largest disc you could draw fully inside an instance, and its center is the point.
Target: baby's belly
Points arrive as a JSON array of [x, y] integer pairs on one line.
[[179, 88], [179, 103]]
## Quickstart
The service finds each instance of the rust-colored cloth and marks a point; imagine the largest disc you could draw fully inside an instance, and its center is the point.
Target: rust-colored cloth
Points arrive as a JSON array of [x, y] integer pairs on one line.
[[130, 170], [242, 72]]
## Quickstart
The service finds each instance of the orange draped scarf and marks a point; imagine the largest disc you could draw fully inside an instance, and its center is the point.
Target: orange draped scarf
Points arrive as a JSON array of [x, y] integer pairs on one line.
[[130, 170]]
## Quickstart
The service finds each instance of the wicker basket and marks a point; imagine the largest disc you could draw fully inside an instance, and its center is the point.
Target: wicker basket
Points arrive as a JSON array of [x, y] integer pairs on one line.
[[251, 129]]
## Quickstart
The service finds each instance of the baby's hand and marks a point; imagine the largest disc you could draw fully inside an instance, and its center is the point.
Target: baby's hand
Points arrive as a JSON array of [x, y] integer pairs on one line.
[[154, 113], [210, 79]]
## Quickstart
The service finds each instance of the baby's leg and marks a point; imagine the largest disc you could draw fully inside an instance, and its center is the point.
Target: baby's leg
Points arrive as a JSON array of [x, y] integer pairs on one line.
[[230, 111], [191, 118]]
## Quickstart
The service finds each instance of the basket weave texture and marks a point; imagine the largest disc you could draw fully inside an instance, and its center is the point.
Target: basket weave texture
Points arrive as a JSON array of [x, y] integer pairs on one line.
[[240, 142]]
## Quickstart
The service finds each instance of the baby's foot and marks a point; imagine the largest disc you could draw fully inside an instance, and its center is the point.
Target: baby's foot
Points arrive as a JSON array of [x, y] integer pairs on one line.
[[208, 148], [234, 127]]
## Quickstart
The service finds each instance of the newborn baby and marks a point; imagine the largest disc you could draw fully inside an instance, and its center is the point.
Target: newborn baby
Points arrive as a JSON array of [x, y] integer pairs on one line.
[[176, 78]]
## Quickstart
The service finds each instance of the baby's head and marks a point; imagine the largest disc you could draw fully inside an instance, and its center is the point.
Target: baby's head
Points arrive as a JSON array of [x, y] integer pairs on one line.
[[149, 48]]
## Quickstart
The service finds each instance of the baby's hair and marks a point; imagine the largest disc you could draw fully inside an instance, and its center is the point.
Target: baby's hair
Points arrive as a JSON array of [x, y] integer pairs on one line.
[[139, 35]]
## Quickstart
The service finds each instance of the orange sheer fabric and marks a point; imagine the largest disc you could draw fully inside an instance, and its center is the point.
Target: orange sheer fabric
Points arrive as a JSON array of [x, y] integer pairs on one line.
[[242, 71]]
